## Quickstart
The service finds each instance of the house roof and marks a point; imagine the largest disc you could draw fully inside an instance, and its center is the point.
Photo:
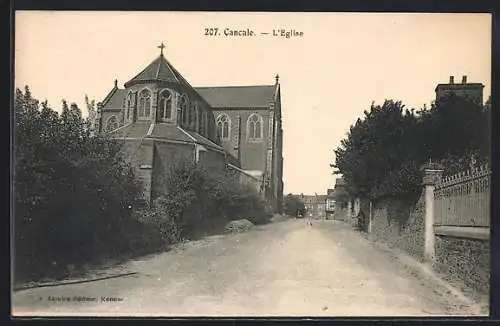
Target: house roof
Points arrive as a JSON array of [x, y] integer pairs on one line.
[[314, 198], [159, 70], [339, 192], [339, 182], [238, 96], [321, 198]]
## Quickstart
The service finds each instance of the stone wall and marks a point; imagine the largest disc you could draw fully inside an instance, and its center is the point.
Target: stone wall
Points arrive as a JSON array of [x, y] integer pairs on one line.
[[166, 154], [212, 159], [464, 260], [400, 222], [460, 260]]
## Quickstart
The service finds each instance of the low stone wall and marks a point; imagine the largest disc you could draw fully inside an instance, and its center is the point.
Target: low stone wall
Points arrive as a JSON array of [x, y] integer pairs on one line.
[[400, 222], [464, 260], [247, 179]]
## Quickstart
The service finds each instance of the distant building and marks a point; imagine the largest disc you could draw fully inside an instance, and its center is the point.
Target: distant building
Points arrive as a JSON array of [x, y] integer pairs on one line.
[[472, 91], [330, 201], [315, 204]]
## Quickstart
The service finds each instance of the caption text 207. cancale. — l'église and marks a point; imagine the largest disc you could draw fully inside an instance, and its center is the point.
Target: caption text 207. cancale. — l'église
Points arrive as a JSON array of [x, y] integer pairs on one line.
[[247, 32]]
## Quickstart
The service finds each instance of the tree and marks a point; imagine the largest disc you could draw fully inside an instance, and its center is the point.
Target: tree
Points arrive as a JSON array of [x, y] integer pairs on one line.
[[73, 192], [376, 145], [294, 206], [383, 152]]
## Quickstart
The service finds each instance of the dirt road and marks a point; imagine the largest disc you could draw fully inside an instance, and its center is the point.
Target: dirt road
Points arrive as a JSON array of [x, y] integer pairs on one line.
[[281, 269]]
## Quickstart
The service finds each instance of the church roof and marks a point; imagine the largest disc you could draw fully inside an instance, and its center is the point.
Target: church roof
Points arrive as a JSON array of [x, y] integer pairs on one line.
[[115, 98], [139, 129], [238, 96], [159, 70]]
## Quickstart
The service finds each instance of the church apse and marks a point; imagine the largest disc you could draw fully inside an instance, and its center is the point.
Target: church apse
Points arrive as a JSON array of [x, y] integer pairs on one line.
[[158, 113]]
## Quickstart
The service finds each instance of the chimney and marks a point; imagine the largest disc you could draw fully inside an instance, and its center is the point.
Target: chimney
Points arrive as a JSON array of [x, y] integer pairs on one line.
[[464, 79], [451, 79]]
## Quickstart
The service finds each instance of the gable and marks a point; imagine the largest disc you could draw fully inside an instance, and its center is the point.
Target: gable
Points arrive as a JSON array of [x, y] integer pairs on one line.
[[115, 99]]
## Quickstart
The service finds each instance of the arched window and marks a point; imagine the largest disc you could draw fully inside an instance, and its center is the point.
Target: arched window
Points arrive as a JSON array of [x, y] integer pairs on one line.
[[184, 105], [112, 123], [223, 125], [203, 120], [144, 104], [254, 126], [193, 116], [129, 107], [165, 105]]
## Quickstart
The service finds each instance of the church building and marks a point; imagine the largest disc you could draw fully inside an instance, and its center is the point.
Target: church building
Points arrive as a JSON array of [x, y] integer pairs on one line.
[[161, 118]]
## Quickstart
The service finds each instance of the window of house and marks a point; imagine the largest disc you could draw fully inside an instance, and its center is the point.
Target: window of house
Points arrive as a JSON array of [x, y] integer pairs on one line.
[[223, 122], [144, 104], [254, 127], [112, 123], [165, 105]]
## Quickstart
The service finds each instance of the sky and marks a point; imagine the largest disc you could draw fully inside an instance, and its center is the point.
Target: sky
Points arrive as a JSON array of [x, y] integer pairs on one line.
[[329, 75]]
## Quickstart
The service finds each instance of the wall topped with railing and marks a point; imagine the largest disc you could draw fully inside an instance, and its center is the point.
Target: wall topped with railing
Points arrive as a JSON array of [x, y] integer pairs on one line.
[[463, 199]]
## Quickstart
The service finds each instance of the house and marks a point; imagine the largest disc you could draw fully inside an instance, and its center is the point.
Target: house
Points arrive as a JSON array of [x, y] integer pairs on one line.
[[315, 204], [472, 91]]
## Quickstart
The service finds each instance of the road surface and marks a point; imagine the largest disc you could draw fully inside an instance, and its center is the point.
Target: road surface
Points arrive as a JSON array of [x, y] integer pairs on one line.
[[287, 268]]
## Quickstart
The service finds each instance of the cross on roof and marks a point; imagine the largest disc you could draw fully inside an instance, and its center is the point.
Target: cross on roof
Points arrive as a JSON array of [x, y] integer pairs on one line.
[[161, 47]]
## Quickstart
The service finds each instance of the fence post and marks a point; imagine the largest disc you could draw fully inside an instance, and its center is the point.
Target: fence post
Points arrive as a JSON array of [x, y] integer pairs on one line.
[[432, 175]]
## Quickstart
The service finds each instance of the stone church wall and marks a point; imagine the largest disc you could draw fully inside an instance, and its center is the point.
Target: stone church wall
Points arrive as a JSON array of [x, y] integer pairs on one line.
[[212, 159], [253, 153], [165, 156], [107, 114]]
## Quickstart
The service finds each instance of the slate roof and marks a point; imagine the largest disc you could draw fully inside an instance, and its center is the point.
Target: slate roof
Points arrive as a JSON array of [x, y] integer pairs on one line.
[[135, 130], [115, 98], [339, 182], [159, 70], [140, 129], [321, 198], [202, 140], [238, 96], [170, 131], [339, 193]]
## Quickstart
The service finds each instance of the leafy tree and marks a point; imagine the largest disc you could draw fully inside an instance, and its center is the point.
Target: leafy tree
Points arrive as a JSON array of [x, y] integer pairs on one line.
[[376, 145], [383, 151], [294, 206], [73, 192]]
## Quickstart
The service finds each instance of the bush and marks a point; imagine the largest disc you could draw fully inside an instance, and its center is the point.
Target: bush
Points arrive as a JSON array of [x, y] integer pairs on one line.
[[157, 217], [194, 193], [74, 193]]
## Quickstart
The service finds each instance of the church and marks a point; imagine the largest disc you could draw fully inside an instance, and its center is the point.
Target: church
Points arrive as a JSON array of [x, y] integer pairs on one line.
[[161, 118]]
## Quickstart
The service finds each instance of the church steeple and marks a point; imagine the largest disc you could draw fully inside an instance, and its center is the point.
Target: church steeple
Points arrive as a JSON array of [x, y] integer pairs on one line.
[[161, 47], [160, 70]]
